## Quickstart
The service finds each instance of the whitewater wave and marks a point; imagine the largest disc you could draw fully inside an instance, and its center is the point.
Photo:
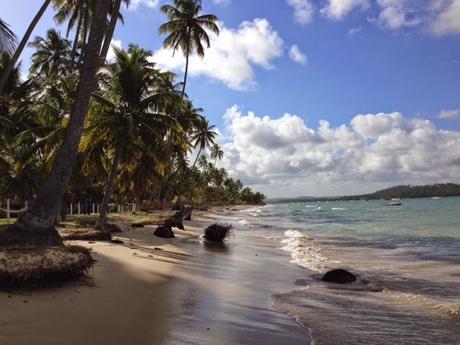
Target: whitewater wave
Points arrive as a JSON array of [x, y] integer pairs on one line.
[[303, 250]]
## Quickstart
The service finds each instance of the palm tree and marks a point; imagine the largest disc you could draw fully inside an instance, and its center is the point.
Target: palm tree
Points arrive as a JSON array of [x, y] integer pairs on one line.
[[123, 121], [74, 12], [7, 38], [114, 16], [186, 30], [52, 54], [216, 153], [203, 136], [36, 227], [6, 72]]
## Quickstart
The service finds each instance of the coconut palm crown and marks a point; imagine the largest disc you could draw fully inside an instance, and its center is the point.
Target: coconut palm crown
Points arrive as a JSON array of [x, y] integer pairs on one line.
[[186, 30]]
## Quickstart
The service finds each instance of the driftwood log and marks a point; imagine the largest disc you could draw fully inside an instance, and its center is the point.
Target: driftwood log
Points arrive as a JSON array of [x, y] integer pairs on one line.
[[164, 231], [175, 221], [217, 232]]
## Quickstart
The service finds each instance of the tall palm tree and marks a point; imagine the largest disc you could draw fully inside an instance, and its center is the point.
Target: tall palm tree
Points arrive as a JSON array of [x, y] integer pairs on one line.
[[114, 17], [36, 227], [216, 153], [6, 72], [123, 121], [186, 30], [203, 136], [74, 13], [7, 38], [52, 54]]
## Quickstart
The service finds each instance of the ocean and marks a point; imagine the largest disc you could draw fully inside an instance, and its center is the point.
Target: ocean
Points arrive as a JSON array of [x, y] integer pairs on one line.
[[407, 259]]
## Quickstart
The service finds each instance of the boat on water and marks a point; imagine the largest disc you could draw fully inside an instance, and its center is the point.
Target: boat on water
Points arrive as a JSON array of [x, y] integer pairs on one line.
[[394, 202], [436, 198]]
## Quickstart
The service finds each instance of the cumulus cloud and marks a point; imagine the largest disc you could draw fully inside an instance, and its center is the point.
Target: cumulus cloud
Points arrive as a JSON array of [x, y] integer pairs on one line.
[[303, 11], [449, 114], [440, 17], [111, 53], [395, 14], [448, 21], [284, 156], [135, 4], [338, 9], [232, 55], [296, 55]]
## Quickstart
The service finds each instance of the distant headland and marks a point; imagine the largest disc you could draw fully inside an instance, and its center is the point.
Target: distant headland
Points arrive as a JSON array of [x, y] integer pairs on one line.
[[403, 192]]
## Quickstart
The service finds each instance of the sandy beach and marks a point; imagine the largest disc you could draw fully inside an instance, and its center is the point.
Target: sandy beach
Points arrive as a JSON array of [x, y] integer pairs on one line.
[[155, 291]]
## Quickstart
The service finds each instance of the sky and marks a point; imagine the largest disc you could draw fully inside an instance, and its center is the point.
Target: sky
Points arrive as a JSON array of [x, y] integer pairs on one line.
[[316, 97]]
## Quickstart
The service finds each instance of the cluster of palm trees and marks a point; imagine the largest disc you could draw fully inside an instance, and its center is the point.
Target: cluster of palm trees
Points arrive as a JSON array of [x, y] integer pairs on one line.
[[114, 130]]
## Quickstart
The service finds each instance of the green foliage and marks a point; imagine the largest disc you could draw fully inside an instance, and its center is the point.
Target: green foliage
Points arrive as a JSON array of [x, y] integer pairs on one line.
[[137, 111]]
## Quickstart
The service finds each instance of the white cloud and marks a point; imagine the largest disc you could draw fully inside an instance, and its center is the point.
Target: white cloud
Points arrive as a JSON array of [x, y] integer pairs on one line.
[[440, 17], [449, 114], [338, 9], [222, 2], [297, 56], [395, 14], [135, 4], [303, 11], [111, 53], [448, 21], [284, 156], [232, 55], [354, 31]]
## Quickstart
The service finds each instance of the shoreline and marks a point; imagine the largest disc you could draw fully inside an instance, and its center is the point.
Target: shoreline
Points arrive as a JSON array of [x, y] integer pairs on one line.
[[149, 290]]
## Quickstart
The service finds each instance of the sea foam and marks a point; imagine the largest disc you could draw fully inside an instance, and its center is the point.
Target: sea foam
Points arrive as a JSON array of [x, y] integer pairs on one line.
[[303, 250]]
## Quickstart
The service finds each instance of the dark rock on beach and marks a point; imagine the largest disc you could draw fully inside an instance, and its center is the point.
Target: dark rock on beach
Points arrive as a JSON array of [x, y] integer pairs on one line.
[[339, 276], [137, 225], [217, 232], [164, 232]]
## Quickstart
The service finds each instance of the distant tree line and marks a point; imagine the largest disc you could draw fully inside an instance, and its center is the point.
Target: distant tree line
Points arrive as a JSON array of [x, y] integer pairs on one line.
[[402, 192]]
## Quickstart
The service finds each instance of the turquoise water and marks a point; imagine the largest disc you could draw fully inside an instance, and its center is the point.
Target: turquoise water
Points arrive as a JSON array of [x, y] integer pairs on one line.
[[407, 259], [416, 222]]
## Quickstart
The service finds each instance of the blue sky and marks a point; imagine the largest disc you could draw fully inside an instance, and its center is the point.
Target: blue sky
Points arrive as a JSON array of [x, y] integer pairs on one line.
[[359, 58]]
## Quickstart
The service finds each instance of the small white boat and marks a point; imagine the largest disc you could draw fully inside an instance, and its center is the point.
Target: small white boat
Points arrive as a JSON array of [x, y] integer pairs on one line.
[[436, 198], [394, 202]]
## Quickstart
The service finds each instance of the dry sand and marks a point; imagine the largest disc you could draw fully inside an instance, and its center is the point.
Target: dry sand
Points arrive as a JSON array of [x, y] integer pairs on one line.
[[157, 291]]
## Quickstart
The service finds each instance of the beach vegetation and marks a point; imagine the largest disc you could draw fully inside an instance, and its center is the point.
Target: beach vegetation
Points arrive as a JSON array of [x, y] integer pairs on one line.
[[102, 131]]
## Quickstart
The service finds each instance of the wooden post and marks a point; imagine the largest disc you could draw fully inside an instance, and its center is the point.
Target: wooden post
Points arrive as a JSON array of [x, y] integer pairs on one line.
[[78, 205], [93, 209], [71, 209], [8, 210]]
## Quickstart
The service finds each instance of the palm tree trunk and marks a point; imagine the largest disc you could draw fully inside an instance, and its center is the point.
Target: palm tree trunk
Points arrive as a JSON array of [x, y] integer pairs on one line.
[[101, 221], [77, 34], [111, 28], [36, 227], [187, 56], [22, 45], [85, 36], [197, 157]]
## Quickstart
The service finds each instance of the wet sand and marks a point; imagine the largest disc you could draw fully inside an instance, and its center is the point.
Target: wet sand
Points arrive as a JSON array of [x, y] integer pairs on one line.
[[155, 291]]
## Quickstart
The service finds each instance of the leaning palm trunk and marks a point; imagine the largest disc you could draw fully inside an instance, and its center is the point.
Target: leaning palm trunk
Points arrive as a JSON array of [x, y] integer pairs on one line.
[[7, 71], [111, 28], [77, 34], [36, 227], [101, 221], [197, 157], [185, 75]]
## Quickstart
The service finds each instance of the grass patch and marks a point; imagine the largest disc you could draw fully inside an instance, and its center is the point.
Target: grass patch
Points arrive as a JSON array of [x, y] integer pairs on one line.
[[88, 221], [4, 223]]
